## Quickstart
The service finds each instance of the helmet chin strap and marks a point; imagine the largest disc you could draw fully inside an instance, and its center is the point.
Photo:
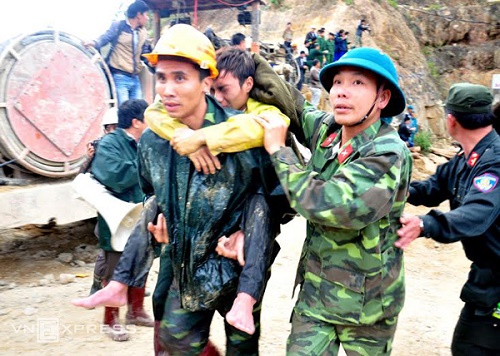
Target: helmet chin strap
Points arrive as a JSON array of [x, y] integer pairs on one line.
[[379, 92]]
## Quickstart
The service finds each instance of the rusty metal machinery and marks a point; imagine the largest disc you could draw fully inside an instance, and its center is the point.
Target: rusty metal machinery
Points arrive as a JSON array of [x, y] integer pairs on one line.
[[53, 94]]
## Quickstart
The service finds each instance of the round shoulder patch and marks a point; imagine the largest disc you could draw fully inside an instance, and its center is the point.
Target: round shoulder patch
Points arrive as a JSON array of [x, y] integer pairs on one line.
[[485, 182]]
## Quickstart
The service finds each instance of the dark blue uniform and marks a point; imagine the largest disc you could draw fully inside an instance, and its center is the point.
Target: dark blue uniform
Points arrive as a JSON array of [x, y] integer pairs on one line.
[[471, 184]]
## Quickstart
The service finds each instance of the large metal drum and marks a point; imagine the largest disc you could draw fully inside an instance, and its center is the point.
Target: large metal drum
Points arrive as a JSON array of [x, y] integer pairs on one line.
[[53, 94]]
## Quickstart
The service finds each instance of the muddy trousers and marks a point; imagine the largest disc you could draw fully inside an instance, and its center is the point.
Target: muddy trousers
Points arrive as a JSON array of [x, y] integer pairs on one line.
[[310, 336], [186, 333], [140, 251], [477, 333]]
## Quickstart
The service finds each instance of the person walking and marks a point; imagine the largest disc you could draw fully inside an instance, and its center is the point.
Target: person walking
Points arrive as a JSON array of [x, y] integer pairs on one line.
[[469, 181], [352, 193]]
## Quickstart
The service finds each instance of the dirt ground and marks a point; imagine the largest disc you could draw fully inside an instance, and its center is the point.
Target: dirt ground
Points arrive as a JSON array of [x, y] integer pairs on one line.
[[36, 317]]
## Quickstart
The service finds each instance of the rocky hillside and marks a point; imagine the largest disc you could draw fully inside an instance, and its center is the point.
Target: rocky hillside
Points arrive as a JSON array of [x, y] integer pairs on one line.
[[434, 43]]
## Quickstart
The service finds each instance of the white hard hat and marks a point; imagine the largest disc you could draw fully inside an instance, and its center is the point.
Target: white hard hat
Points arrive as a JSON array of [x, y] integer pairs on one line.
[[110, 117]]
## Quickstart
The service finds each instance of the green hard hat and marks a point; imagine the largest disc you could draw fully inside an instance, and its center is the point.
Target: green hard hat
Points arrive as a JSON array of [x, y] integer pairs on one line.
[[373, 60]]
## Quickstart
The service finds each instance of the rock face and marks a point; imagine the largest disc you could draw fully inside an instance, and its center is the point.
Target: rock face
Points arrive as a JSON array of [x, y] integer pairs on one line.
[[434, 44]]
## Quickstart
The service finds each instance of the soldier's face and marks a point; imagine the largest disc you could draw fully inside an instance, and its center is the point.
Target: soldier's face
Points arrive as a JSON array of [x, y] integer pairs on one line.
[[181, 89], [353, 92], [228, 91]]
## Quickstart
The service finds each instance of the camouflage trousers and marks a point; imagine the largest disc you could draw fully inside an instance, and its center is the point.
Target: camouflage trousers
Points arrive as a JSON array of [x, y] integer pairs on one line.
[[183, 332], [312, 337]]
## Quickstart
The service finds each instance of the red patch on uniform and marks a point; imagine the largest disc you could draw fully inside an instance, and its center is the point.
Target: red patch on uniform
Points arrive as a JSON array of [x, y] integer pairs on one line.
[[346, 152], [327, 142], [473, 159]]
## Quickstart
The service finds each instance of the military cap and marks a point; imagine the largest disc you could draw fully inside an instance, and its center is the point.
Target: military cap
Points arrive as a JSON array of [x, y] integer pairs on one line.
[[469, 99]]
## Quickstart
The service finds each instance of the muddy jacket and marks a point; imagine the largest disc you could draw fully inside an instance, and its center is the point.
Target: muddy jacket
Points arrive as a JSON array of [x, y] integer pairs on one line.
[[471, 186], [352, 197], [115, 166], [201, 208]]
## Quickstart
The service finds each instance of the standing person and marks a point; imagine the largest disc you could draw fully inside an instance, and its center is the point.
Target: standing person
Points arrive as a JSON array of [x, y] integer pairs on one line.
[[288, 37], [340, 45], [210, 206], [129, 40], [405, 131], [330, 47], [470, 182], [311, 38], [363, 26], [302, 64], [352, 193], [315, 84], [322, 45], [115, 166], [413, 124]]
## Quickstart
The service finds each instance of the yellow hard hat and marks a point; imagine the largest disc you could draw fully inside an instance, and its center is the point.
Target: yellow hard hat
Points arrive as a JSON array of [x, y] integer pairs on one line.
[[185, 41]]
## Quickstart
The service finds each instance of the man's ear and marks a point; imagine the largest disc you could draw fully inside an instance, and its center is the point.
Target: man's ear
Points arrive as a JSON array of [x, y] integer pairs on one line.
[[384, 98], [451, 120], [248, 85], [206, 84], [136, 122]]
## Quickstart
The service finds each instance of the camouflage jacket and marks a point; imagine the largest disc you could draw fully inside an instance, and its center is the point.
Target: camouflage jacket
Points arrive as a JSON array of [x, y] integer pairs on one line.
[[352, 196]]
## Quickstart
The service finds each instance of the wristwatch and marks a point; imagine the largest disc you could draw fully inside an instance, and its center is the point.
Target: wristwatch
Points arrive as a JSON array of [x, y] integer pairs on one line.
[[421, 226]]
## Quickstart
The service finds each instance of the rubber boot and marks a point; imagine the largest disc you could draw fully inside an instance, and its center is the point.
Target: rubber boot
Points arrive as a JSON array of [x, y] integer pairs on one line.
[[210, 350], [112, 325], [136, 314]]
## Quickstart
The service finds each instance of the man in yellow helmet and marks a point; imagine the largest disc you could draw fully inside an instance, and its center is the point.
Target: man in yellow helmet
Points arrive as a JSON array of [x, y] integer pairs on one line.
[[197, 209]]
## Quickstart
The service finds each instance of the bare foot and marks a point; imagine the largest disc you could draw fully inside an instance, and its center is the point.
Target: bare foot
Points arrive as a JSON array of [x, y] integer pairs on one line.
[[240, 316], [113, 295]]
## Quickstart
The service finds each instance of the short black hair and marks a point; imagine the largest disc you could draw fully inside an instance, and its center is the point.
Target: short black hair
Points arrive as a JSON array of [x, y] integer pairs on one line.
[[237, 62], [472, 121], [315, 61], [129, 110], [137, 6], [237, 39]]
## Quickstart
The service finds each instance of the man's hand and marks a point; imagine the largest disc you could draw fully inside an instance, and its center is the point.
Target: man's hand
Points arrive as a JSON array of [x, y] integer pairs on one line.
[[409, 232], [187, 141], [88, 44], [274, 131], [232, 247], [204, 161], [90, 149], [159, 230]]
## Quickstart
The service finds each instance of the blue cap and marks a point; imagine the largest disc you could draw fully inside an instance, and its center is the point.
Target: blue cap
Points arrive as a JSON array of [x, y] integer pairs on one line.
[[410, 107], [375, 61]]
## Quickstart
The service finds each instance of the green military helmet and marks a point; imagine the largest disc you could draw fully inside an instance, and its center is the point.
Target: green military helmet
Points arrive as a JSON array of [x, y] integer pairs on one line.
[[375, 61]]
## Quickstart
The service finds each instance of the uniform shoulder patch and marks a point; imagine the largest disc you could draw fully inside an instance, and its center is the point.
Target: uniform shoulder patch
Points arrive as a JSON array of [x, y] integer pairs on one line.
[[485, 182]]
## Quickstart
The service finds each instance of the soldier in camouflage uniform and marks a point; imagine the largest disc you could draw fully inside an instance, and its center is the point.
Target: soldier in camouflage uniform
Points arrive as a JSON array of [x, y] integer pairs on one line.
[[352, 192]]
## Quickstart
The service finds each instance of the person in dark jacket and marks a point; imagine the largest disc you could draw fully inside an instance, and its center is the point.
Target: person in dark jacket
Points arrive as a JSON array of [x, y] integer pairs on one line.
[[340, 45], [128, 40], [115, 166], [405, 130], [470, 182]]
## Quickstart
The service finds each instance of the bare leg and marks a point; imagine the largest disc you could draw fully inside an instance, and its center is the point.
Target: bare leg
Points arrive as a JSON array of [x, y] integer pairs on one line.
[[240, 316], [113, 295]]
